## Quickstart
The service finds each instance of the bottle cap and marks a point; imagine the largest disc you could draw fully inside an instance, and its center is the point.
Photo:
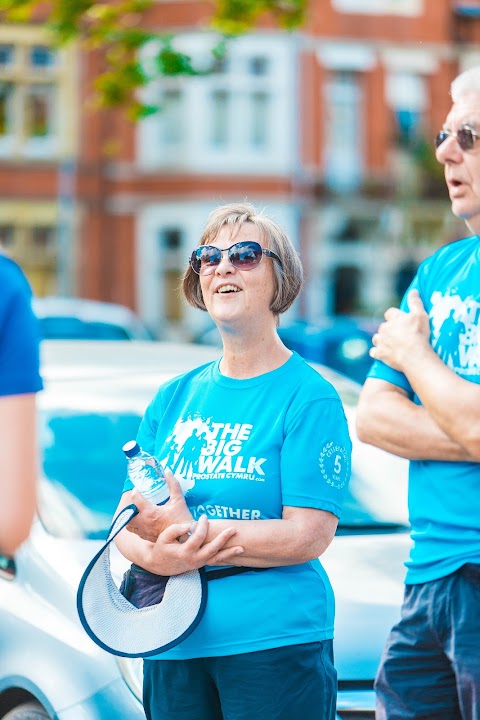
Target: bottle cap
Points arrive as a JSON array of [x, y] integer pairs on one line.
[[131, 448]]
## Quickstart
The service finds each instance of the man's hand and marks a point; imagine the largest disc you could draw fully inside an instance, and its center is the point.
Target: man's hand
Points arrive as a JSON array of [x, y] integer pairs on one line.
[[168, 556], [152, 519], [402, 335]]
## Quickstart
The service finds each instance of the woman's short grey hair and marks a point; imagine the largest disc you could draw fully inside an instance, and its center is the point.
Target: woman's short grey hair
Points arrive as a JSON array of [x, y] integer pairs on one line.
[[465, 83], [288, 273]]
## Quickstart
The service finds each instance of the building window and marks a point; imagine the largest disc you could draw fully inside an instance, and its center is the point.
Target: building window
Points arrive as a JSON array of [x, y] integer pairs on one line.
[[172, 302], [403, 277], [170, 244], [6, 108], [32, 244], [407, 96], [229, 117], [39, 110], [171, 114], [43, 239], [42, 57], [352, 228], [258, 66], [346, 290], [170, 238], [240, 118], [260, 119], [7, 237], [408, 8], [172, 265], [220, 112], [32, 96], [344, 132], [7, 55]]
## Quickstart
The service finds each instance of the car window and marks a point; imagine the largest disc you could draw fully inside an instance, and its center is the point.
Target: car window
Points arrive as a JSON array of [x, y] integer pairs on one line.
[[71, 328], [83, 470]]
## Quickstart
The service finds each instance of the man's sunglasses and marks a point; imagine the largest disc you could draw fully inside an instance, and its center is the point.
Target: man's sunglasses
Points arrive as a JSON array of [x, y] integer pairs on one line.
[[244, 255], [465, 136]]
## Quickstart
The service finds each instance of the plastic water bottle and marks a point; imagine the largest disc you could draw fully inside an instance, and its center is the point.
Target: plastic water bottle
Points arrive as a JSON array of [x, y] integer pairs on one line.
[[146, 473]]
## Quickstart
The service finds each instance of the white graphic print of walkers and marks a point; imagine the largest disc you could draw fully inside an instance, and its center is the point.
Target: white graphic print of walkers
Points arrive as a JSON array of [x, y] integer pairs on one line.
[[455, 331], [200, 449]]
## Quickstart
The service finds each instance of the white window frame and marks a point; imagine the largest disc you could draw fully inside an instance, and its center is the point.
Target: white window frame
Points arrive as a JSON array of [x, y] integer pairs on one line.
[[61, 139], [343, 156], [197, 153], [407, 8]]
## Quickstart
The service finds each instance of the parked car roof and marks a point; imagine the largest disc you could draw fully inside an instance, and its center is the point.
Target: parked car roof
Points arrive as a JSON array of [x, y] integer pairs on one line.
[[64, 318]]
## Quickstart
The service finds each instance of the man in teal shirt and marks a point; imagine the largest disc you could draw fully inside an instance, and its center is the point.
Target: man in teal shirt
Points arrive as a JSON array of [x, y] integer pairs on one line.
[[422, 401]]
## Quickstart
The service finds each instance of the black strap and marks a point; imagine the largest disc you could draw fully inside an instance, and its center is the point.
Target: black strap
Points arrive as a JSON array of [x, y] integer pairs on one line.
[[226, 572]]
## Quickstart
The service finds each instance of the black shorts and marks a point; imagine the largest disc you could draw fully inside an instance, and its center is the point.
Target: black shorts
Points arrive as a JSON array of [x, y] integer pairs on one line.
[[430, 667], [296, 682]]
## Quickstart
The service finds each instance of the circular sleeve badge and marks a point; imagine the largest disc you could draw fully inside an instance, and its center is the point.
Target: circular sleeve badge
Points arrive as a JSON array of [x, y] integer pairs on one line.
[[334, 463]]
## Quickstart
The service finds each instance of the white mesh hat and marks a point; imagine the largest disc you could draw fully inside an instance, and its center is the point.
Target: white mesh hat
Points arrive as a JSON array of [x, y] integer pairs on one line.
[[119, 627]]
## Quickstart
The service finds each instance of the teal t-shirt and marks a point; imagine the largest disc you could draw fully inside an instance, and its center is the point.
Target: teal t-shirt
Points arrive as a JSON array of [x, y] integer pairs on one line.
[[443, 496], [242, 449]]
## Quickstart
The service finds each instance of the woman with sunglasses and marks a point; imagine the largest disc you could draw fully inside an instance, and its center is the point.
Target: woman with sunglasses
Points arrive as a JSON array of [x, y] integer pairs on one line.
[[262, 461]]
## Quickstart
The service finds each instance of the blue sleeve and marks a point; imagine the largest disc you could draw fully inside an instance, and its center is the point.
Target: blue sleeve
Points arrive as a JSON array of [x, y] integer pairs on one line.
[[19, 334], [381, 370], [316, 457]]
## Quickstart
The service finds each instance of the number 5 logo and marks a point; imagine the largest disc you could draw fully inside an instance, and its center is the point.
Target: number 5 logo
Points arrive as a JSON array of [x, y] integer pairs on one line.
[[334, 465], [337, 465]]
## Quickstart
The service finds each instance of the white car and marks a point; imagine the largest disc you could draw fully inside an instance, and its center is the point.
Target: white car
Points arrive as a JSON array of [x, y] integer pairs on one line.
[[65, 318], [92, 404]]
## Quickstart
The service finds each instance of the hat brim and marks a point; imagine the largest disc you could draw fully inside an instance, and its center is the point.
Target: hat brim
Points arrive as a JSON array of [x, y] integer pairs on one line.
[[122, 629]]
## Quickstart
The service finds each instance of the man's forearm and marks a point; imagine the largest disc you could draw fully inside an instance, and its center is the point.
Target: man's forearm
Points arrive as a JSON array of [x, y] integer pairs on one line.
[[388, 419], [452, 402]]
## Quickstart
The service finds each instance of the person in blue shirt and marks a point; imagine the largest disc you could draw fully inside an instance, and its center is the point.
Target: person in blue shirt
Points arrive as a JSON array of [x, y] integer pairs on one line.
[[260, 447], [19, 381], [422, 401]]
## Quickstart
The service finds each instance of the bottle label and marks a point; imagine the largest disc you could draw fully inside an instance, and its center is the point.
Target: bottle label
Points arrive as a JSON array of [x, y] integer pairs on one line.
[[147, 475]]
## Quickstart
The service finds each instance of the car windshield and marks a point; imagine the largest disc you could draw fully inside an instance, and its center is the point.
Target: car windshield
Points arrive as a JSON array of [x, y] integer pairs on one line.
[[83, 469]]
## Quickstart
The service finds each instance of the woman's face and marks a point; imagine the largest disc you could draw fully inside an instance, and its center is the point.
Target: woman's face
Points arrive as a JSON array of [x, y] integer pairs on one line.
[[239, 299]]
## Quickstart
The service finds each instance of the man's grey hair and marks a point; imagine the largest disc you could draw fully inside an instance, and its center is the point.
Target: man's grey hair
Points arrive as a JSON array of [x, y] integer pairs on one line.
[[465, 83]]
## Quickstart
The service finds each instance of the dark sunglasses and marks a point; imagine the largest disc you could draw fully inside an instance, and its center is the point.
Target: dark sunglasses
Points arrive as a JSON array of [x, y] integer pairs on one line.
[[244, 255], [465, 136]]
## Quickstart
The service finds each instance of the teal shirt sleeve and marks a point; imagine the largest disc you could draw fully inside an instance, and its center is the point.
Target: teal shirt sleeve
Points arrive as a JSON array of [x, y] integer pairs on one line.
[[381, 370], [316, 457]]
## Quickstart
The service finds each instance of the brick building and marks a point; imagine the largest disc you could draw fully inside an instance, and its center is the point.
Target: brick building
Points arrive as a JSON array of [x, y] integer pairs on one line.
[[328, 128]]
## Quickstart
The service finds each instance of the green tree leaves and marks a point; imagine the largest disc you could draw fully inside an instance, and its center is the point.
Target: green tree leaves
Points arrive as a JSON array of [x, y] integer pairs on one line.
[[119, 29]]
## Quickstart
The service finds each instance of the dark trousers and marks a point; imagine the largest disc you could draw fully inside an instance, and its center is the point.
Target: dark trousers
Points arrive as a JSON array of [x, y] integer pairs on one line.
[[297, 682], [430, 669]]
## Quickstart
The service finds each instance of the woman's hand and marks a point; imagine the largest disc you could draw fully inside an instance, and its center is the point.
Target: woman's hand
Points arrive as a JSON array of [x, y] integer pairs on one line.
[[169, 556], [153, 519]]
